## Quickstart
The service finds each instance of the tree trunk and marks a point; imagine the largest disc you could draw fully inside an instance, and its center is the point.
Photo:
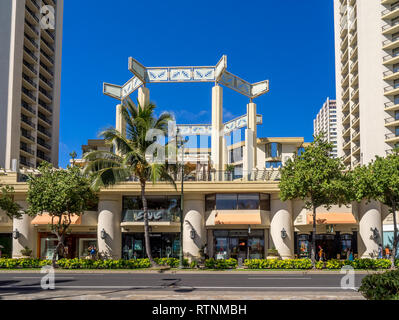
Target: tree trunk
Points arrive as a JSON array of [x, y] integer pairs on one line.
[[395, 236], [313, 250], [146, 229], [58, 248]]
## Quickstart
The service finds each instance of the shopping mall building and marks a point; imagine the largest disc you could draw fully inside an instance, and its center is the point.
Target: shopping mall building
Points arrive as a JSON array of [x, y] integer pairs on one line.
[[231, 200]]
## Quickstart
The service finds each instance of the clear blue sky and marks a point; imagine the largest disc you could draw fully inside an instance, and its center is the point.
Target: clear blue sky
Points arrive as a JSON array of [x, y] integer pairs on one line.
[[290, 42]]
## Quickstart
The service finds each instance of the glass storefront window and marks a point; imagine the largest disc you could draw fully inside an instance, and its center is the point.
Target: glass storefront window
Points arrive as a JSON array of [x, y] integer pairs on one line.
[[346, 244], [226, 201], [248, 201], [303, 246], [84, 245], [48, 247], [221, 248]]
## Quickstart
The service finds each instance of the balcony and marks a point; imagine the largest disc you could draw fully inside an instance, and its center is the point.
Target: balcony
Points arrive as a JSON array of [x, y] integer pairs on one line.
[[30, 68], [391, 75], [44, 118], [41, 143], [27, 149], [28, 94], [47, 46], [31, 29], [391, 90], [46, 94], [46, 69], [346, 131], [29, 82], [390, 44], [34, 3], [49, 59], [31, 15], [355, 135], [346, 117], [391, 59], [390, 28], [345, 106], [42, 130], [30, 55], [45, 106], [355, 121], [347, 144], [42, 156], [391, 106], [28, 107], [28, 136], [356, 149], [391, 138], [27, 121], [26, 163], [391, 122], [389, 14]]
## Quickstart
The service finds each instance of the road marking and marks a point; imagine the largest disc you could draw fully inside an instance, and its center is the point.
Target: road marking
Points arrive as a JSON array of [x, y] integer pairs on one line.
[[280, 278], [179, 287], [39, 277]]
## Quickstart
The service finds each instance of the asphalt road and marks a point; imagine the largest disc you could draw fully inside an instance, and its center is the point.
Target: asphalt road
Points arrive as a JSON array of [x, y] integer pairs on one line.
[[179, 282]]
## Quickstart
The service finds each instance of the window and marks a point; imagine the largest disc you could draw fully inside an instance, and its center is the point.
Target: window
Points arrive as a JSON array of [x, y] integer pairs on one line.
[[248, 201], [396, 83], [273, 150], [236, 155], [273, 164], [234, 201], [395, 68], [264, 201], [210, 202], [397, 131], [395, 52], [396, 115], [396, 99]]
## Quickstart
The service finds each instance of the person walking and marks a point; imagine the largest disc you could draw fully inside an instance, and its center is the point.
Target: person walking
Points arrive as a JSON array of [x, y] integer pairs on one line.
[[380, 252], [387, 252], [350, 255], [321, 253]]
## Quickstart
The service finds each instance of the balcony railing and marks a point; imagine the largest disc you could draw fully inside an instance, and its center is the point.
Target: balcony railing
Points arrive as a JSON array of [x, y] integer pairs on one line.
[[28, 136], [32, 14], [28, 150], [49, 83], [27, 107], [47, 69], [355, 134], [27, 121], [26, 163], [47, 56], [32, 27], [43, 144], [28, 93], [355, 148], [48, 45], [45, 105], [388, 104], [46, 93], [390, 136], [43, 157], [44, 131], [31, 54], [26, 78], [390, 119], [32, 41], [35, 4], [29, 66], [44, 118], [390, 88]]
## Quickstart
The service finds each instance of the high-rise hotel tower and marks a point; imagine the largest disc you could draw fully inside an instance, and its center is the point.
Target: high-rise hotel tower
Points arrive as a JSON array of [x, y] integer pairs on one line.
[[367, 78], [30, 79]]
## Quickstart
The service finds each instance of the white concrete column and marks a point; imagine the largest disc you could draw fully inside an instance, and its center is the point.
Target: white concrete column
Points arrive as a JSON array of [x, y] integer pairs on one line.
[[109, 220], [120, 123], [281, 218], [369, 219], [143, 96], [194, 210], [217, 128], [27, 235], [250, 154]]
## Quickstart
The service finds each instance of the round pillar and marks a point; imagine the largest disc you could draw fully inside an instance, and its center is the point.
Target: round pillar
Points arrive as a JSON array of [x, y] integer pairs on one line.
[[109, 235], [194, 235], [281, 218], [370, 229], [26, 231]]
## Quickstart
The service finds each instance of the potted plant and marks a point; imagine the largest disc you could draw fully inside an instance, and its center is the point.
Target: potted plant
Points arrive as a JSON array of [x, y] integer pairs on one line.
[[272, 253], [26, 252], [229, 171]]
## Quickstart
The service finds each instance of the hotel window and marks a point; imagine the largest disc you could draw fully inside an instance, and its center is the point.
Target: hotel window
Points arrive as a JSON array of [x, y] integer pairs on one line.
[[396, 99], [396, 115], [396, 83], [273, 150], [395, 68], [395, 52], [395, 36], [273, 164], [236, 154], [397, 131]]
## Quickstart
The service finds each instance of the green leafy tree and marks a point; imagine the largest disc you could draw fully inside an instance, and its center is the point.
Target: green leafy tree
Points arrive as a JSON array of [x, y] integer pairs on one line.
[[73, 156], [129, 161], [317, 179], [61, 194], [379, 180], [7, 204]]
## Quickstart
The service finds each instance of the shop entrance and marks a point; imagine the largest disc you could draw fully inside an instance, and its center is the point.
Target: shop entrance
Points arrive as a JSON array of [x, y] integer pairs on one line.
[[239, 244], [5, 245]]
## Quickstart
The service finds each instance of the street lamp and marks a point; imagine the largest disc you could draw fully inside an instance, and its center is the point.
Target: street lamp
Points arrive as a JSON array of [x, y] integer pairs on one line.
[[103, 234], [15, 234], [283, 234], [182, 143]]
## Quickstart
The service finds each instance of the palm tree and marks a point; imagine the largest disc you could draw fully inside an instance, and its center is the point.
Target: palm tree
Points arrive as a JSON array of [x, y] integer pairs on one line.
[[129, 161]]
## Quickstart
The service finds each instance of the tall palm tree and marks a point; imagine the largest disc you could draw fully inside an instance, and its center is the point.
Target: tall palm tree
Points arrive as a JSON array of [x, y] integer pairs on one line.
[[129, 159]]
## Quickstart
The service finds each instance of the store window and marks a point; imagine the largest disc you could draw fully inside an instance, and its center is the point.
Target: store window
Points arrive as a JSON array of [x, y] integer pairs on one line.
[[248, 201], [234, 201], [84, 245], [346, 244], [303, 246], [48, 246]]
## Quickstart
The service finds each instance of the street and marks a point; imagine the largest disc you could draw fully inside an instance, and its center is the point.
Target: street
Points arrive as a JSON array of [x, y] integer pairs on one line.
[[207, 285]]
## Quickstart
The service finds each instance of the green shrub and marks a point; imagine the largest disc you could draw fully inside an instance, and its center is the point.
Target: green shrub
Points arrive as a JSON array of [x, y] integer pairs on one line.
[[334, 264], [278, 264], [384, 286], [319, 265]]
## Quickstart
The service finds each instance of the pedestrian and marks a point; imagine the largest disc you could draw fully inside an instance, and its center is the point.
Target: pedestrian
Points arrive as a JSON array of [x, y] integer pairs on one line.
[[321, 253], [350, 257], [93, 252], [387, 252], [380, 252]]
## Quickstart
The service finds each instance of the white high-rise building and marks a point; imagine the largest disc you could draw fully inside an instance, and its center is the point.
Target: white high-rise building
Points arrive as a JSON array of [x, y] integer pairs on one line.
[[326, 123], [30, 80], [367, 78]]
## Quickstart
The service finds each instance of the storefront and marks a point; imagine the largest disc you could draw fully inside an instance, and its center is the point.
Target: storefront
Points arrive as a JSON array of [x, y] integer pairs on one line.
[[335, 246], [239, 244], [76, 245], [163, 245], [5, 245]]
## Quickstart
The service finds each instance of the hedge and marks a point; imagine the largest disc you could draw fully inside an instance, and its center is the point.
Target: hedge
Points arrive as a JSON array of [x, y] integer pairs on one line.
[[299, 264], [383, 286]]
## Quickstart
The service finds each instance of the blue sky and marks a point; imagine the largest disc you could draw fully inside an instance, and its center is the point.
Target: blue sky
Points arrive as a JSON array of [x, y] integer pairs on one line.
[[290, 42]]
